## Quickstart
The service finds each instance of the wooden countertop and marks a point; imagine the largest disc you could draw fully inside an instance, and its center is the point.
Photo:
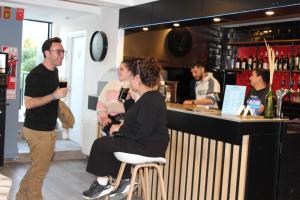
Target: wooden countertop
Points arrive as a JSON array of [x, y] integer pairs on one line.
[[214, 113]]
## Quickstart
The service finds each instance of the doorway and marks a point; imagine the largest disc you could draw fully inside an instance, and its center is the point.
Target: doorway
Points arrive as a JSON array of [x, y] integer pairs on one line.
[[75, 72]]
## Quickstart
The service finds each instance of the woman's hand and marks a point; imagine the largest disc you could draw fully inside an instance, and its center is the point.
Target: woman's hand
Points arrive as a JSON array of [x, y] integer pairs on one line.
[[104, 120]]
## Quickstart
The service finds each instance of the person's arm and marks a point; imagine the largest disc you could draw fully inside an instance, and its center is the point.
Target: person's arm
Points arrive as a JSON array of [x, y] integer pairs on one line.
[[34, 102], [261, 109], [204, 101], [101, 108], [188, 102], [108, 94], [212, 94]]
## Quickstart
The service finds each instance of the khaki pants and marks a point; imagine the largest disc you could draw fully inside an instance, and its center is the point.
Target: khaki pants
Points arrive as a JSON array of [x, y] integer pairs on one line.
[[5, 185], [41, 144]]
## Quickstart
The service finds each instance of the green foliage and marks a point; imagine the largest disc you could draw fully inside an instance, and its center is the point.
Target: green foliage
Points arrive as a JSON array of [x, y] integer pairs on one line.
[[29, 55]]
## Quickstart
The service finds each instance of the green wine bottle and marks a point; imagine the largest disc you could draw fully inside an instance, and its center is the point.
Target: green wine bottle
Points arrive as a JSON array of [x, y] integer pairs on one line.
[[269, 105]]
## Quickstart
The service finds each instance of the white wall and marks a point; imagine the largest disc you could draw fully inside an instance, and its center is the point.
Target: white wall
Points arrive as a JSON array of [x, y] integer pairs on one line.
[[107, 20]]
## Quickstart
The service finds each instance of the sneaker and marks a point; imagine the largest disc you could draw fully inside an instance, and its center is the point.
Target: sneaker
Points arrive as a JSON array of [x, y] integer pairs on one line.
[[122, 191], [96, 190]]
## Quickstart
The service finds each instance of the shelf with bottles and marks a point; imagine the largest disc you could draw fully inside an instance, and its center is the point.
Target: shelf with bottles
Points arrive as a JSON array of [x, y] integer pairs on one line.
[[252, 57], [262, 42]]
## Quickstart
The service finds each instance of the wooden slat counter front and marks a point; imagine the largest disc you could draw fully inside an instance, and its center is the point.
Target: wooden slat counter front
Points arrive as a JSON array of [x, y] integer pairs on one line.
[[213, 156]]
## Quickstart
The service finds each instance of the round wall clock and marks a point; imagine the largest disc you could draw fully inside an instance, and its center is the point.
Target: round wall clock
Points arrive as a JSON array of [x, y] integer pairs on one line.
[[179, 41], [98, 46]]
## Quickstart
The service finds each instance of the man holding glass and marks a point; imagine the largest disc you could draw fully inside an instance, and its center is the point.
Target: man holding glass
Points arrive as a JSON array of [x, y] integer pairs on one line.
[[42, 93]]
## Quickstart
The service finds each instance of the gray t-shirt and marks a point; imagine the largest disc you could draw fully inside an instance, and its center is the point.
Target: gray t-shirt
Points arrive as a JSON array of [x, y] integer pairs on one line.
[[208, 87]]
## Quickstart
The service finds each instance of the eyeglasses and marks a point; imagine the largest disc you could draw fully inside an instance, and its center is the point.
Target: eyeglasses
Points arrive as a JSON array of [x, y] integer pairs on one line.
[[59, 51]]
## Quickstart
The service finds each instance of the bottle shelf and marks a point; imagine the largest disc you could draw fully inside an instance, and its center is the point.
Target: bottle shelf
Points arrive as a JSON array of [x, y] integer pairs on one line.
[[249, 70], [254, 43]]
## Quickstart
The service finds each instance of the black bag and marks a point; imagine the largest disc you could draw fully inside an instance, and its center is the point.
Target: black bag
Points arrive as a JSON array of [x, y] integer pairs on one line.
[[114, 120]]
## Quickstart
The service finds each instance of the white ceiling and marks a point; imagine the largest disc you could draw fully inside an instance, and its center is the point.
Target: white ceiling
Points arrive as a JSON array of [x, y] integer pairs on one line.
[[61, 10]]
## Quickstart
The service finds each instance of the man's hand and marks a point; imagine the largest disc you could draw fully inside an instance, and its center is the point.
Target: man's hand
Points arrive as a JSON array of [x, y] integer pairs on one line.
[[188, 102], [60, 93]]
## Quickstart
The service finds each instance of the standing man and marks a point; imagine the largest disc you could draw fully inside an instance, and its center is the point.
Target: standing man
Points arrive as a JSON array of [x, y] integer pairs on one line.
[[204, 88], [41, 101], [256, 97]]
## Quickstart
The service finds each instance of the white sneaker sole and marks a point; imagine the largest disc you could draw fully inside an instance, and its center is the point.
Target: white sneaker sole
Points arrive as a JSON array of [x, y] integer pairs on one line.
[[102, 194]]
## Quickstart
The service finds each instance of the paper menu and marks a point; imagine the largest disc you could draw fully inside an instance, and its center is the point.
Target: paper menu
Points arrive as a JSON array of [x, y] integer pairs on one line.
[[233, 99]]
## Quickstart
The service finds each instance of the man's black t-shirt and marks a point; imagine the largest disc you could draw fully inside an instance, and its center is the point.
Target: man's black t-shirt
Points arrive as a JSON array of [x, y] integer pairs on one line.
[[41, 82], [259, 94]]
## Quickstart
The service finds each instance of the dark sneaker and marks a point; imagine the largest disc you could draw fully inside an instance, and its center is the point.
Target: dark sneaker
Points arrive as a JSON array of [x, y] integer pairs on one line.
[[122, 191], [96, 190]]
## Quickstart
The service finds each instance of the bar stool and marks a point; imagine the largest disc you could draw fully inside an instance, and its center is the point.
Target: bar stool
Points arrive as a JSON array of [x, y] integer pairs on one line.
[[140, 162]]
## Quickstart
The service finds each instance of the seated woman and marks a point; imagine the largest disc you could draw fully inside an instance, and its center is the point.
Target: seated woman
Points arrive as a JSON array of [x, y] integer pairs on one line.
[[143, 132], [109, 108]]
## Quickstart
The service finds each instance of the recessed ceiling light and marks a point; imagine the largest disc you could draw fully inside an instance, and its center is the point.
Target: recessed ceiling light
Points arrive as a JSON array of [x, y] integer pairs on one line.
[[145, 29], [270, 12], [176, 24], [217, 19]]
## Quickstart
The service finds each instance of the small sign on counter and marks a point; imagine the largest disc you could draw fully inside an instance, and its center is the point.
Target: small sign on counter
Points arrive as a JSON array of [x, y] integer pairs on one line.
[[233, 99]]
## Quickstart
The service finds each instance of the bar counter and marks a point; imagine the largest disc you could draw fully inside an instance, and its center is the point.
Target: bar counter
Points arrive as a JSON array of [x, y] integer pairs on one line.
[[216, 156]]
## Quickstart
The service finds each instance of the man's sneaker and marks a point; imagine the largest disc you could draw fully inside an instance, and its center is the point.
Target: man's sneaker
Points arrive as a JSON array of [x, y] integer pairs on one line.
[[121, 191], [96, 190]]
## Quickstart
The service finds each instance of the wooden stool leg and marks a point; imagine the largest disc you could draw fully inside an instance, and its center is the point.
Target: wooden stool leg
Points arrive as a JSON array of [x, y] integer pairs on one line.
[[133, 177], [161, 182], [142, 182], [118, 180], [120, 174], [146, 173]]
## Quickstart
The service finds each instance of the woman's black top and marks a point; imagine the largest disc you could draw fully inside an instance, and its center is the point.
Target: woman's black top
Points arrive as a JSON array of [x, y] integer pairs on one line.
[[146, 120]]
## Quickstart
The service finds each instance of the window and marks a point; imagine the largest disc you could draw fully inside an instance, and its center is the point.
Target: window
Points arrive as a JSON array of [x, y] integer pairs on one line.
[[34, 35]]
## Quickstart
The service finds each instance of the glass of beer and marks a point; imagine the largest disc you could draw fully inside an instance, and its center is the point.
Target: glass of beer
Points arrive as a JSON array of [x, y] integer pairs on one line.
[[63, 83], [123, 94]]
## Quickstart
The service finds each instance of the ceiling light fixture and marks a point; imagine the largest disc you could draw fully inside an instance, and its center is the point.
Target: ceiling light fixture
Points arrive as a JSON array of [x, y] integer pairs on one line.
[[270, 12], [176, 24], [216, 19], [145, 29]]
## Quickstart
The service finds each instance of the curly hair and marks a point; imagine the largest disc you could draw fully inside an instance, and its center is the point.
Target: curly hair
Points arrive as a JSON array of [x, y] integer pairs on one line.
[[149, 71]]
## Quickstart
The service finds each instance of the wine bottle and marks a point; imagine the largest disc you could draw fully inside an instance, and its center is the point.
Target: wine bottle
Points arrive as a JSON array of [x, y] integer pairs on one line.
[[280, 63], [254, 65], [269, 105], [285, 63], [261, 61], [237, 63], [291, 62], [276, 60], [297, 99], [244, 63], [250, 62], [266, 61], [296, 63]]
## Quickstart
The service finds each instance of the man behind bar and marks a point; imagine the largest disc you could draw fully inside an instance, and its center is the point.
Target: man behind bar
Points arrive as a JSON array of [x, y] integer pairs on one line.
[[204, 88]]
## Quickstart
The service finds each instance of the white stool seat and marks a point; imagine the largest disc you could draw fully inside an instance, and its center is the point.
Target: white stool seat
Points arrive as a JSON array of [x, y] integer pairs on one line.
[[136, 159]]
